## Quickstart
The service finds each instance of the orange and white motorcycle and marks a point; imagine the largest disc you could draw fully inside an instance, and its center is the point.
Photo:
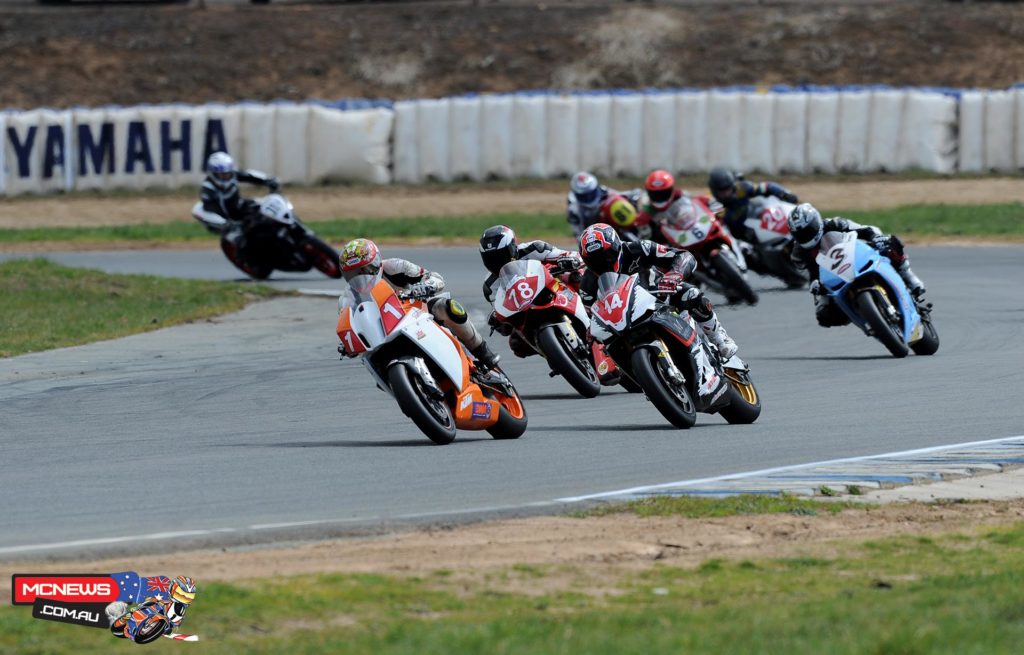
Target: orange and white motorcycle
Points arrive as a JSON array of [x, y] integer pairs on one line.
[[424, 366]]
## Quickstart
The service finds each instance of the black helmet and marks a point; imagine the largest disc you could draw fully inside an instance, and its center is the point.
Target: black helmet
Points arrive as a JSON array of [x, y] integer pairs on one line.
[[498, 247], [805, 225], [721, 180], [600, 247]]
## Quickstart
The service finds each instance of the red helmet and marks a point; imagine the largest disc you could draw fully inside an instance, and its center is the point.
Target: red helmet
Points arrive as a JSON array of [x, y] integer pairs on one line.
[[600, 247], [660, 186]]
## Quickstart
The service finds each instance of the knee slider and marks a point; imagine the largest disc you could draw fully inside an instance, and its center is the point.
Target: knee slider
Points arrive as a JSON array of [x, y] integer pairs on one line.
[[456, 311]]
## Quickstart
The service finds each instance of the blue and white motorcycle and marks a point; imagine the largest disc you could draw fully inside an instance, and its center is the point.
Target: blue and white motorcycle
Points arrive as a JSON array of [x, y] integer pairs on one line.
[[863, 283]]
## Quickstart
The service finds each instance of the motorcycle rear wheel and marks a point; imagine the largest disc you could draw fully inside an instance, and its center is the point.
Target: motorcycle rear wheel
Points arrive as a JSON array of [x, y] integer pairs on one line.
[[672, 401], [511, 423], [580, 375], [433, 417], [732, 278], [744, 401], [884, 331]]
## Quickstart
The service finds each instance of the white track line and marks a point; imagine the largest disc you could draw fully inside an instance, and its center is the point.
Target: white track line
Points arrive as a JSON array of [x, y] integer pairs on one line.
[[9, 550], [779, 469]]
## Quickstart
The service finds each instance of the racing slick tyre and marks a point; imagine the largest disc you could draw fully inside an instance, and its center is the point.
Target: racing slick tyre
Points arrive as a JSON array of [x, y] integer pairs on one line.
[[254, 271], [325, 258], [580, 374], [744, 402], [433, 417], [928, 344], [732, 278], [884, 331], [511, 423], [672, 400]]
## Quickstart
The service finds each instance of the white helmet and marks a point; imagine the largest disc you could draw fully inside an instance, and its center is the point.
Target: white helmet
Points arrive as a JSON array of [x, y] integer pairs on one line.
[[277, 208], [585, 188], [222, 170]]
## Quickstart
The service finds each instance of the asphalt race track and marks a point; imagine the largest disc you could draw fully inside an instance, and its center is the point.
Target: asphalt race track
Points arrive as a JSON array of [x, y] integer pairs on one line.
[[249, 428]]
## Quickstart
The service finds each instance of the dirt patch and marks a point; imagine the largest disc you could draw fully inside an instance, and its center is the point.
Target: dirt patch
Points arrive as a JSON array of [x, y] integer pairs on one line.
[[321, 203], [593, 547], [102, 54]]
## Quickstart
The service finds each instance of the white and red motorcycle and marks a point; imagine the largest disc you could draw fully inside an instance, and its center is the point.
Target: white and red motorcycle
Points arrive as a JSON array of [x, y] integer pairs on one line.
[[692, 225], [424, 366], [666, 354], [770, 243], [547, 314]]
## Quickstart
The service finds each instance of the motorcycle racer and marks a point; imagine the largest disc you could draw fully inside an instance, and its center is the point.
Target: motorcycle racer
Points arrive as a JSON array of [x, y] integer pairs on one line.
[[807, 228], [585, 199], [659, 267], [181, 595], [221, 200], [659, 199], [412, 281], [734, 193], [499, 246]]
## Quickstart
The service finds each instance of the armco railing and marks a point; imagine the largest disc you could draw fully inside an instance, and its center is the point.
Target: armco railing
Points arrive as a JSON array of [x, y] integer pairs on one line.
[[526, 134]]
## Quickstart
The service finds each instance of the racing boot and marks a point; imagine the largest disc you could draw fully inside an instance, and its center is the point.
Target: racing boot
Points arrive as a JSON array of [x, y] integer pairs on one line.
[[913, 282], [717, 335], [486, 357]]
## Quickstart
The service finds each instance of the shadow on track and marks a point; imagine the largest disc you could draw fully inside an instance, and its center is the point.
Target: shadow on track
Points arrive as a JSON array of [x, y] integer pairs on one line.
[[603, 428], [568, 395], [404, 443], [822, 358]]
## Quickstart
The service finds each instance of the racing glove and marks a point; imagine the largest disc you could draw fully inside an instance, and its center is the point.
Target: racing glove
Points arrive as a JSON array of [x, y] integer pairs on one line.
[[788, 196], [881, 243], [816, 288], [671, 281], [273, 184]]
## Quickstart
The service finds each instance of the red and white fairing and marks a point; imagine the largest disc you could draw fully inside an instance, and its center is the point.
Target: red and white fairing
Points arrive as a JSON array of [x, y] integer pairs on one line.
[[619, 306], [689, 222], [521, 282], [769, 220]]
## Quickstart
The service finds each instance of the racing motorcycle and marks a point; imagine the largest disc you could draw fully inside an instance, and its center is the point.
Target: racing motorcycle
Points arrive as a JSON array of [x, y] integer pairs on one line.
[[770, 245], [146, 623], [547, 314], [863, 283], [665, 352], [692, 225], [423, 365], [258, 245]]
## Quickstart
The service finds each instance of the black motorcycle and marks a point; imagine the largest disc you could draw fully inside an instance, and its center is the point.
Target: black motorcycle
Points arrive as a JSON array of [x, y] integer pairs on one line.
[[271, 237]]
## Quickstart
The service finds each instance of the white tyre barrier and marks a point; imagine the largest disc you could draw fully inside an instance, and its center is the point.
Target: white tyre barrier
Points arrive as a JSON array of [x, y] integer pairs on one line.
[[790, 133], [659, 131], [929, 133], [627, 134], [691, 148], [822, 132], [757, 142], [723, 130], [972, 132], [851, 142], [885, 129], [529, 133], [595, 128], [999, 131], [496, 136], [563, 148], [464, 127]]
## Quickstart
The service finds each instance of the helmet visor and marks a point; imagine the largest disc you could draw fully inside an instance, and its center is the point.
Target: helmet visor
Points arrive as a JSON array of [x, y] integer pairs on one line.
[[224, 176], [590, 198], [807, 235], [660, 197], [363, 279]]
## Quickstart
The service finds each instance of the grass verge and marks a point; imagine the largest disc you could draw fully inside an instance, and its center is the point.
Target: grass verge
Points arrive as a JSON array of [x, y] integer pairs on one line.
[[1003, 221], [44, 305], [695, 507], [949, 593]]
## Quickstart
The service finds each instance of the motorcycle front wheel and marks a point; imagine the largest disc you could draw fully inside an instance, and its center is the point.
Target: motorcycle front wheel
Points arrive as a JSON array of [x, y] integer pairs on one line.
[[744, 401], [234, 256], [324, 257], [732, 278], [580, 374], [673, 401], [889, 334], [929, 343], [433, 417]]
